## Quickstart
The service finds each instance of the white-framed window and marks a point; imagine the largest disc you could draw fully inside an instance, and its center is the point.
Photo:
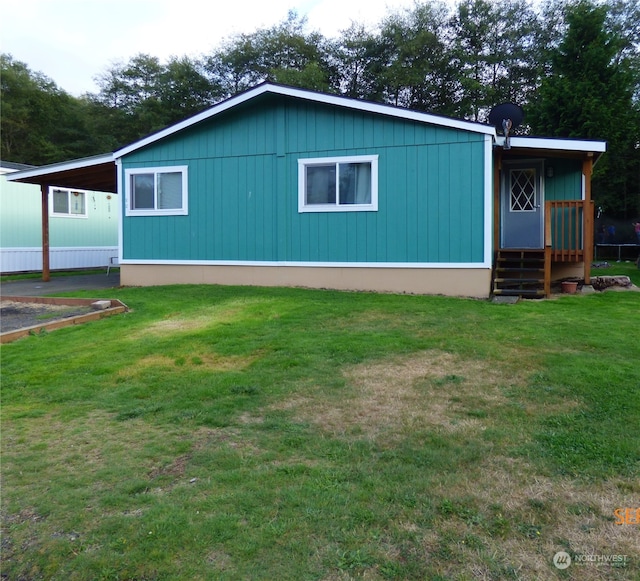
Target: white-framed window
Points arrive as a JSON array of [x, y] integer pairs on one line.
[[156, 191], [338, 184], [68, 203]]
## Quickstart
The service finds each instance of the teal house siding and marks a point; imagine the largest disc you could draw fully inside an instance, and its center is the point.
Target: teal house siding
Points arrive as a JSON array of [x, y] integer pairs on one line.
[[243, 189], [565, 183]]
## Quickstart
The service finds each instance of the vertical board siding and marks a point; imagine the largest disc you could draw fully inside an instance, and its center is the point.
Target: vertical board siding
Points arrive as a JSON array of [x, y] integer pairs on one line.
[[566, 183], [243, 190]]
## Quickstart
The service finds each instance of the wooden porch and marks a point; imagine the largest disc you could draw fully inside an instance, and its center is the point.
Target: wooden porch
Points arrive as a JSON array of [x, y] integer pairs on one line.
[[568, 238]]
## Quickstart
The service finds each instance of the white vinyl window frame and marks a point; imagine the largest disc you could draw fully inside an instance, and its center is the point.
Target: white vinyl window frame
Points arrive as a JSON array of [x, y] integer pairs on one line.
[[328, 162], [67, 203], [153, 208]]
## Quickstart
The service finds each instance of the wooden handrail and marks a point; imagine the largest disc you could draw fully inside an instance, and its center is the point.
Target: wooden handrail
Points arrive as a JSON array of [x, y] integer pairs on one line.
[[569, 229], [568, 236]]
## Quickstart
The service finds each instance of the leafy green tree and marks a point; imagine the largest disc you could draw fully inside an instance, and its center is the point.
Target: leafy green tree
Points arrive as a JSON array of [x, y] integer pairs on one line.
[[233, 66], [416, 74], [184, 89], [357, 62], [285, 53], [493, 54], [144, 95], [40, 123], [589, 94]]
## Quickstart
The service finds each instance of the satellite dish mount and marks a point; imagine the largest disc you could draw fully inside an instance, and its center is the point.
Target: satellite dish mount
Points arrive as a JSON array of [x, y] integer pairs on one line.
[[505, 118]]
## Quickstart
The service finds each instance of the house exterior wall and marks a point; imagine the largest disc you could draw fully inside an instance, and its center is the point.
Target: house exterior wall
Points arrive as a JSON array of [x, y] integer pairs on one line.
[[243, 192], [74, 242], [566, 181]]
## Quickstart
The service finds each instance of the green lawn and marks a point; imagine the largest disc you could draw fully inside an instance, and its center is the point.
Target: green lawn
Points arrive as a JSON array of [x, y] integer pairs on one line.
[[245, 433]]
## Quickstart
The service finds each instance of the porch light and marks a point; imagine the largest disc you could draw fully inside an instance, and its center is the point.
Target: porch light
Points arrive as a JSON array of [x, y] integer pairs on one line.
[[550, 171]]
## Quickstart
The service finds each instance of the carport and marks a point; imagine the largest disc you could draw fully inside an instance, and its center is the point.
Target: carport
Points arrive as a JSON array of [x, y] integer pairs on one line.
[[97, 173]]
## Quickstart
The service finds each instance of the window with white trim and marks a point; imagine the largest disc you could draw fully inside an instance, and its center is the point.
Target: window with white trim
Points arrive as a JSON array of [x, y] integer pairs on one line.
[[156, 191], [68, 203], [338, 184]]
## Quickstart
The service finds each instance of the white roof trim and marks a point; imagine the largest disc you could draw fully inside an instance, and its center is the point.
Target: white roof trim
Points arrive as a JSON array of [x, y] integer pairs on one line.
[[555, 144], [63, 166], [314, 97]]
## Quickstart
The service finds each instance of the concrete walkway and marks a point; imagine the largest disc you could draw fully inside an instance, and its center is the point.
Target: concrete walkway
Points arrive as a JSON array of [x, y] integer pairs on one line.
[[35, 287]]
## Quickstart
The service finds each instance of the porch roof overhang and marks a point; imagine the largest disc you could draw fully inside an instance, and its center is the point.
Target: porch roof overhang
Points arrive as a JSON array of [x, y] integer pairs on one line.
[[96, 173], [553, 147]]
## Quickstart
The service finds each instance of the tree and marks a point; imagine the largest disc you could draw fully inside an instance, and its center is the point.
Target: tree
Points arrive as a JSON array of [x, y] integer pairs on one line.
[[144, 95], [40, 123], [493, 54], [357, 62], [284, 53], [416, 74], [232, 67], [589, 94]]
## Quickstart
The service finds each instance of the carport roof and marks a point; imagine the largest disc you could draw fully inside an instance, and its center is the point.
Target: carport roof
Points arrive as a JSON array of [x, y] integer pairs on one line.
[[89, 173]]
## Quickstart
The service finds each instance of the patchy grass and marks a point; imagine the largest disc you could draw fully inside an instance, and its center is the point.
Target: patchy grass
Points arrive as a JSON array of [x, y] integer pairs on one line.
[[241, 433]]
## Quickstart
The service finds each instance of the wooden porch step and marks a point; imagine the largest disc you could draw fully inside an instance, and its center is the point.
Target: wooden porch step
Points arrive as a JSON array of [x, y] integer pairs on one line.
[[519, 272], [518, 280], [522, 269], [519, 292]]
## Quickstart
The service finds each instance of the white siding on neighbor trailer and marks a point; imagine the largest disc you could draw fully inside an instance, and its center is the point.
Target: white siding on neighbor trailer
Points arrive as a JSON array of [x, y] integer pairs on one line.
[[84, 242], [30, 259]]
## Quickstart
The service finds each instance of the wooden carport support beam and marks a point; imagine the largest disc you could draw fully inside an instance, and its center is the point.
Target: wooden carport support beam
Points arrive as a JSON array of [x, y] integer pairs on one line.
[[44, 193], [588, 234]]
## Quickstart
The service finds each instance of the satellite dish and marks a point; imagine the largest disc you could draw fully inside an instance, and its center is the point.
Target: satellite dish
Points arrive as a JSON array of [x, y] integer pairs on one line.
[[505, 118]]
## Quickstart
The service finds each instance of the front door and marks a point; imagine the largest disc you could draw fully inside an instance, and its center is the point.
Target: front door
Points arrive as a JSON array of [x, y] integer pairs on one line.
[[522, 208]]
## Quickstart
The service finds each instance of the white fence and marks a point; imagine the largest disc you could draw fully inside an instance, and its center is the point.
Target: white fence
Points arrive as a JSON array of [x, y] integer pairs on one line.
[[30, 259]]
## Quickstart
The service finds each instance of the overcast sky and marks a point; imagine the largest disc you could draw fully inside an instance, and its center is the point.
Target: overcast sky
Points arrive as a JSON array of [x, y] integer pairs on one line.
[[73, 41]]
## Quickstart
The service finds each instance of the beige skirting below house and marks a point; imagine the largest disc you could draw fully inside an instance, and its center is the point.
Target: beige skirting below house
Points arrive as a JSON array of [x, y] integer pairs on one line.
[[460, 282]]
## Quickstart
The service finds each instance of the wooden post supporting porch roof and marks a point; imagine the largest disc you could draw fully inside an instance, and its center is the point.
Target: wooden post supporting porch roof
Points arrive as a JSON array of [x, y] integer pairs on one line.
[[96, 173], [587, 170]]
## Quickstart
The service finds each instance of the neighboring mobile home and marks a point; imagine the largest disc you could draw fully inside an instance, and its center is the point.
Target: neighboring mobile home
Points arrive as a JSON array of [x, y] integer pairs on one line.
[[83, 226], [284, 186]]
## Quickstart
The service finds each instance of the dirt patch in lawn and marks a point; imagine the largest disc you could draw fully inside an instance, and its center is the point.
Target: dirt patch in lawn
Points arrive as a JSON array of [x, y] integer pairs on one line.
[[430, 389]]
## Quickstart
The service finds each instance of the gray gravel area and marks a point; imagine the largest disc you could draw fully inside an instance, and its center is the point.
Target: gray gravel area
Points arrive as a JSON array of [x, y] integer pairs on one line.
[[15, 315]]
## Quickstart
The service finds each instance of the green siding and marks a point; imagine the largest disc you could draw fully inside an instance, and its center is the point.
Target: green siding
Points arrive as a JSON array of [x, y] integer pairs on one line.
[[243, 190], [20, 215], [566, 183], [21, 220]]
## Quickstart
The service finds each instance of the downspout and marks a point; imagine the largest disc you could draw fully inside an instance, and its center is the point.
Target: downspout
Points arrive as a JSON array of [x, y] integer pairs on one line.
[[44, 191]]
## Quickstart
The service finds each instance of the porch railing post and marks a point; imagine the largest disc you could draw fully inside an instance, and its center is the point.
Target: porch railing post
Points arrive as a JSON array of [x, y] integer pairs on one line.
[[548, 243]]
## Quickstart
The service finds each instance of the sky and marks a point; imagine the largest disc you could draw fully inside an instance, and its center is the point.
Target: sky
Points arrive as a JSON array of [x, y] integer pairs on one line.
[[73, 41]]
